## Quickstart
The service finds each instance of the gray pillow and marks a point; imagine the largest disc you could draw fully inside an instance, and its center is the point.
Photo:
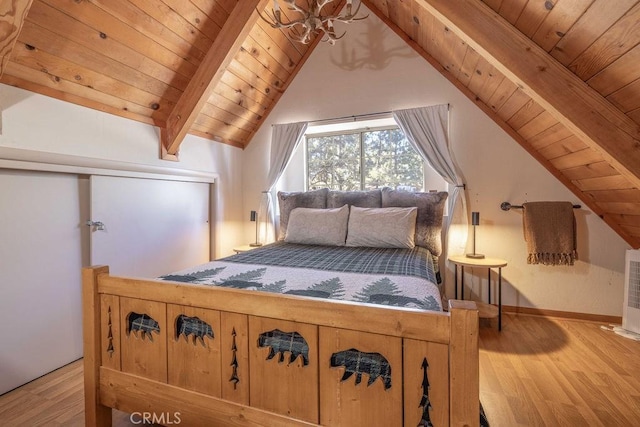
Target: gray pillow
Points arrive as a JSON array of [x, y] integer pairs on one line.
[[362, 199], [316, 199], [430, 210], [382, 227], [318, 226]]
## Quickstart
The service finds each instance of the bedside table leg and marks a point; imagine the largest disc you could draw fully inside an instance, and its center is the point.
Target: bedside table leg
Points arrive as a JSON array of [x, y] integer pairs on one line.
[[489, 283], [462, 282], [455, 269], [500, 299]]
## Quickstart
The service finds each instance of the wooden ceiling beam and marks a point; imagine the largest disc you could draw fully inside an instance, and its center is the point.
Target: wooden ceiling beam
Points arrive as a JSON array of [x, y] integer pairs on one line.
[[209, 73], [12, 15], [570, 100]]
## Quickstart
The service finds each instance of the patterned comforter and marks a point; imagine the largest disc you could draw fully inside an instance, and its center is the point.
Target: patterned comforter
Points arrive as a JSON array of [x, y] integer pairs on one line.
[[396, 277]]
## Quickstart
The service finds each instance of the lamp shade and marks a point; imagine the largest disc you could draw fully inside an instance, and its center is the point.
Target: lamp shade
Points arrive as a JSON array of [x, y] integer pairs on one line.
[[475, 218], [254, 218]]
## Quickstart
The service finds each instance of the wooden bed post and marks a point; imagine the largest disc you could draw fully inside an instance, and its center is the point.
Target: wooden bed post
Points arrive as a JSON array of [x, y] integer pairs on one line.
[[95, 413], [464, 383]]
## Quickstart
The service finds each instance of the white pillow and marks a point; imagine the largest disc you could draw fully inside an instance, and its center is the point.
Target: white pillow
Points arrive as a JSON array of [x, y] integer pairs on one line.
[[382, 227], [318, 226]]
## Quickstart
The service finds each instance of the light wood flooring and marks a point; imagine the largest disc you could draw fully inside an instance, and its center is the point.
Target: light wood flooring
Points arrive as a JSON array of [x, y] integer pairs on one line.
[[536, 372]]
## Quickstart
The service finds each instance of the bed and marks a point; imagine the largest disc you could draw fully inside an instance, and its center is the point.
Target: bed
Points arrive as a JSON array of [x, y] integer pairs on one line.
[[299, 332]]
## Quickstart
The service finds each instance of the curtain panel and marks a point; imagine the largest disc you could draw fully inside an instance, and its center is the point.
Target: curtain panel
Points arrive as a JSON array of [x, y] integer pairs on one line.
[[427, 129], [284, 140]]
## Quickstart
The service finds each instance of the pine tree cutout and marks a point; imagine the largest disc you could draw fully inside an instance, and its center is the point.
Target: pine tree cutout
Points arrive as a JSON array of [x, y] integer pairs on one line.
[[235, 379], [425, 402]]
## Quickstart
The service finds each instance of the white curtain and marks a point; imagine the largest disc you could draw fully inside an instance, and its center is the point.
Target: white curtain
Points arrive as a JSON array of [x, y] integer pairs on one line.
[[427, 129], [284, 140]]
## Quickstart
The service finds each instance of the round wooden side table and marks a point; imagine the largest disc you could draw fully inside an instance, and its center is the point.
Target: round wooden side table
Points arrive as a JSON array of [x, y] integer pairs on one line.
[[484, 310]]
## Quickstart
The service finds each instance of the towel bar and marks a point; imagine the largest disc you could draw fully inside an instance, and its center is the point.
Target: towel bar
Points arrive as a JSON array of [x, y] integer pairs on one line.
[[505, 206]]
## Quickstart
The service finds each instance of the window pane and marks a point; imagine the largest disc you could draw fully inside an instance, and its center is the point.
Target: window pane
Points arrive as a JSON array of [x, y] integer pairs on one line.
[[334, 162], [390, 161]]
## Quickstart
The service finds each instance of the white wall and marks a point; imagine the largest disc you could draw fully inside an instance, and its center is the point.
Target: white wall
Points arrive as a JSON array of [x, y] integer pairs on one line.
[[372, 70], [35, 122]]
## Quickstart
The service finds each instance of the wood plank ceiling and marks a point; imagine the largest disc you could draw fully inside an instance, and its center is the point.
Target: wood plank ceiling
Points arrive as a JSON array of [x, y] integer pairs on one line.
[[562, 77]]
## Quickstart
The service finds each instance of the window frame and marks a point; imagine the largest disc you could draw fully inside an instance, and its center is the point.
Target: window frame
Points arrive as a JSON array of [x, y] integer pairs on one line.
[[359, 132]]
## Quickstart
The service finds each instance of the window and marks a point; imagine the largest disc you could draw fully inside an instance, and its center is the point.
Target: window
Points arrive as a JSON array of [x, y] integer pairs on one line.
[[363, 160]]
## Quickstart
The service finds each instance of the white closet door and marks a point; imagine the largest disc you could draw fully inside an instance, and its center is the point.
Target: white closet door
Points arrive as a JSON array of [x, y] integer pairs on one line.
[[151, 227], [40, 279]]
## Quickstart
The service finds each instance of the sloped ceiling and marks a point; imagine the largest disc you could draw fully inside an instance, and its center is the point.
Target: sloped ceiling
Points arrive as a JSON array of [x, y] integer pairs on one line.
[[562, 77]]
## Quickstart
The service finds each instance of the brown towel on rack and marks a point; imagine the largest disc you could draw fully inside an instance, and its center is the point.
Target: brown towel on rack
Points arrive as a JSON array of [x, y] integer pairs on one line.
[[550, 233]]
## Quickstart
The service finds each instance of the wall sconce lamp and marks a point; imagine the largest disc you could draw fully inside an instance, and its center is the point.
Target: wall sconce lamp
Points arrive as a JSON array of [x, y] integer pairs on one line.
[[254, 218], [475, 220]]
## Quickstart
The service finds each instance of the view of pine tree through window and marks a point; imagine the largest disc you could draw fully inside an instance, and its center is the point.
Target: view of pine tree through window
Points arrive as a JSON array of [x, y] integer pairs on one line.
[[363, 160]]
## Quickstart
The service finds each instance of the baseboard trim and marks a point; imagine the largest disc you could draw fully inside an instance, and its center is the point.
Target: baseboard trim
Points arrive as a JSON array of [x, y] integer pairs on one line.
[[563, 314]]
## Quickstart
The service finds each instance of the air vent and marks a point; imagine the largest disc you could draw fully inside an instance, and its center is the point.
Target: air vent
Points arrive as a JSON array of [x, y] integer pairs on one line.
[[633, 294], [631, 308]]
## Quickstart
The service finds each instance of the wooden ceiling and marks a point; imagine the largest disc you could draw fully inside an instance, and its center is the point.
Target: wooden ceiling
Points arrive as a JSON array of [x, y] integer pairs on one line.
[[562, 77]]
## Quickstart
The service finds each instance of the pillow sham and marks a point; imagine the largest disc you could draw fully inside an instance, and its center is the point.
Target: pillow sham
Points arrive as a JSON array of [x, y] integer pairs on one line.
[[318, 226], [382, 227], [316, 199], [429, 220], [361, 199]]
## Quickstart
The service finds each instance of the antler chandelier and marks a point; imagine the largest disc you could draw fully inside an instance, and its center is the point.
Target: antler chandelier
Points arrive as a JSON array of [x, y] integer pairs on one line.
[[312, 21]]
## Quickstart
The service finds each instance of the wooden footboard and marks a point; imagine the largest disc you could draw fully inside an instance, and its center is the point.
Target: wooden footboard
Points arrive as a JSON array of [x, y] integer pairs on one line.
[[200, 355]]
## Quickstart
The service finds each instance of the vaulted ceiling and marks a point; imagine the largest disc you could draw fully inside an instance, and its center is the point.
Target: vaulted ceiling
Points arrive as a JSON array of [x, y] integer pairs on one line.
[[562, 77]]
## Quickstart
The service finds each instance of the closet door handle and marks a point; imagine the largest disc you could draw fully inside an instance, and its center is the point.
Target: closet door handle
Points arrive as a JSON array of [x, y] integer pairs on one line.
[[97, 224]]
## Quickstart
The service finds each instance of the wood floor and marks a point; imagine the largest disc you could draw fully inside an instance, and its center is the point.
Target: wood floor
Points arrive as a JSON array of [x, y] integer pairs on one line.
[[557, 372], [536, 372]]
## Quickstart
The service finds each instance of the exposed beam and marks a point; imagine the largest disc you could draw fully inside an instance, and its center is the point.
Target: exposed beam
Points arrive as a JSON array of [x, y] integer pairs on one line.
[[40, 86], [570, 100], [12, 14], [209, 73]]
